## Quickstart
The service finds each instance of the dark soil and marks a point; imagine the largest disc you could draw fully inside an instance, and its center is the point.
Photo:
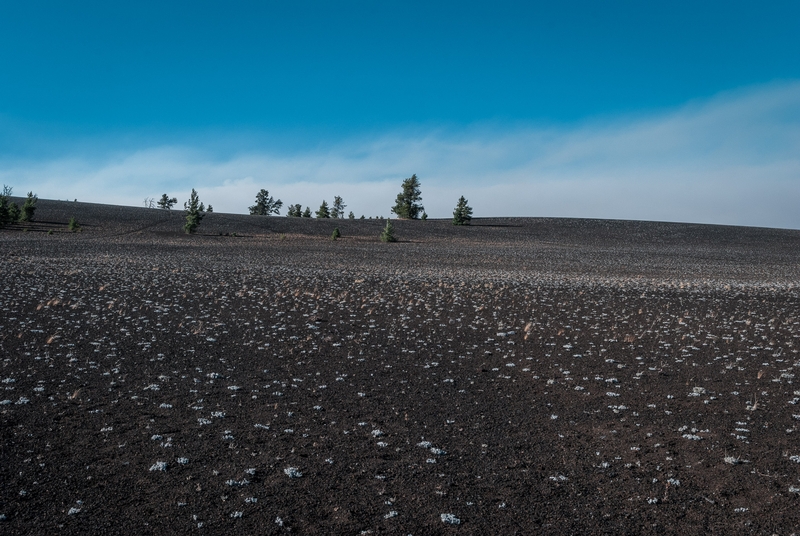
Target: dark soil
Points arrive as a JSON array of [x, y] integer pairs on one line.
[[525, 376]]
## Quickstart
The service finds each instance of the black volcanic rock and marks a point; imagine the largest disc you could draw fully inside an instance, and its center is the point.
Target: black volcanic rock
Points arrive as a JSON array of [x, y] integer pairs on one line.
[[524, 376]]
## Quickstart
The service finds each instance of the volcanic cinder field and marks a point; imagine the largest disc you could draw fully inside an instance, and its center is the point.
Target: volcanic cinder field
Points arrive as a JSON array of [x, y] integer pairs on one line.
[[518, 376]]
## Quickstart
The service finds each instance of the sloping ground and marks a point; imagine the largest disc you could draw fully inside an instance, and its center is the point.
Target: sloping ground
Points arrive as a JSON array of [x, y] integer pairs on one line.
[[516, 376]]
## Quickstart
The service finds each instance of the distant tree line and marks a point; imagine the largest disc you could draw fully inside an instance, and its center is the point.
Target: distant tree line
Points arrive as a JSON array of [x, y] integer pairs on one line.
[[11, 213], [407, 206]]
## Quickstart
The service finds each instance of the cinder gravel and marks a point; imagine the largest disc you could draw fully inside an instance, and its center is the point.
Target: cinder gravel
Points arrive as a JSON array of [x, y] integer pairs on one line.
[[528, 376]]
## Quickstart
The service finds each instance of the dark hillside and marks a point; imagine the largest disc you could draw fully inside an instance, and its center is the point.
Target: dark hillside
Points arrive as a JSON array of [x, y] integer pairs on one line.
[[517, 376], [689, 252]]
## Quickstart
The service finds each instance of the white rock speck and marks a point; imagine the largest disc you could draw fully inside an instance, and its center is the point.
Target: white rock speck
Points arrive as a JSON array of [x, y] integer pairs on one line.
[[292, 472], [450, 519]]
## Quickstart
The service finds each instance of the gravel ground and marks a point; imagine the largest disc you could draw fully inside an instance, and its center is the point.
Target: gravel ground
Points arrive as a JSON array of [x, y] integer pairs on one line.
[[541, 376]]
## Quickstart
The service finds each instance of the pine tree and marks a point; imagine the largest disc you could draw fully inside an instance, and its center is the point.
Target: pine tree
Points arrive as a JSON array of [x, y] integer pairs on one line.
[[166, 202], [406, 205], [387, 235], [193, 209], [336, 234], [337, 210], [265, 205], [295, 211], [5, 207], [29, 207], [323, 211], [307, 213], [210, 209], [463, 212], [14, 213], [351, 216], [424, 215]]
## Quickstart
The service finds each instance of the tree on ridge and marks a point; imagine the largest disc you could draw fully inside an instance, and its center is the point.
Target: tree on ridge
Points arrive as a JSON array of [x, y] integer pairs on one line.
[[323, 211], [406, 205], [265, 204], [463, 212], [166, 202], [194, 211]]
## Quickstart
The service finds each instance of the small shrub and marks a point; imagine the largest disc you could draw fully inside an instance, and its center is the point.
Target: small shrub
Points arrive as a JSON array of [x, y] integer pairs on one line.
[[29, 207], [336, 234], [50, 232], [388, 232], [73, 224]]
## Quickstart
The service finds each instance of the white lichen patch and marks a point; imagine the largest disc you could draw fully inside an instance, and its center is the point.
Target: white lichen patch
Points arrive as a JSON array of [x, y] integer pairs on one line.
[[292, 472], [159, 466], [450, 519]]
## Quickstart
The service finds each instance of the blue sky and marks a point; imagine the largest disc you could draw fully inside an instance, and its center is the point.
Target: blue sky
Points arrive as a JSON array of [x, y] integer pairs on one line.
[[666, 111]]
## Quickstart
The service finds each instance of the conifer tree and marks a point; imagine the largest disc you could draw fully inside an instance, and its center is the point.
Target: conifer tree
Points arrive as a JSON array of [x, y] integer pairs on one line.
[[14, 213], [29, 207], [387, 235], [7, 213], [295, 211], [463, 212], [194, 211], [336, 234], [166, 202], [323, 211], [307, 213], [265, 205], [351, 216], [406, 205], [337, 210]]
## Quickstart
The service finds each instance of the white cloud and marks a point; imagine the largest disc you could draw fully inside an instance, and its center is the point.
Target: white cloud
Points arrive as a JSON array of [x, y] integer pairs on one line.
[[733, 159]]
